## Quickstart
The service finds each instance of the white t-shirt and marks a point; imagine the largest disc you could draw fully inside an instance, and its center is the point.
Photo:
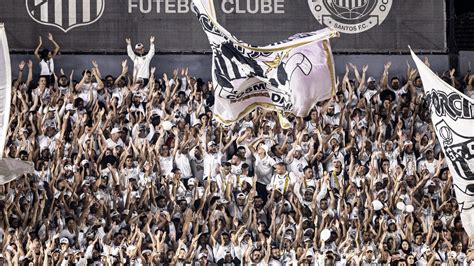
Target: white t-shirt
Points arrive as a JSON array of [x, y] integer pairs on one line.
[[166, 165], [47, 67], [424, 164], [211, 161], [85, 91], [339, 155], [297, 165], [220, 251], [409, 160], [392, 157], [183, 164], [197, 166], [282, 182], [368, 94], [264, 169], [141, 64], [46, 142], [112, 144]]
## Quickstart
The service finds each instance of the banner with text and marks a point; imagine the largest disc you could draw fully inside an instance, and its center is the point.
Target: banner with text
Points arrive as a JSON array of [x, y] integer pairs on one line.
[[103, 25], [452, 114], [288, 76]]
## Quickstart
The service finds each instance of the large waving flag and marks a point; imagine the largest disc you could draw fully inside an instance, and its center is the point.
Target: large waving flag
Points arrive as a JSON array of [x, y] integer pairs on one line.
[[9, 168], [452, 114], [289, 76]]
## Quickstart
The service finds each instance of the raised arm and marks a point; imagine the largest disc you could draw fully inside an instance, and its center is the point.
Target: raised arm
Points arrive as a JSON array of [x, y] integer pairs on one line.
[[356, 72], [130, 52], [123, 73], [96, 73], [37, 55], [21, 66], [56, 45], [384, 79], [30, 73], [362, 79], [151, 53]]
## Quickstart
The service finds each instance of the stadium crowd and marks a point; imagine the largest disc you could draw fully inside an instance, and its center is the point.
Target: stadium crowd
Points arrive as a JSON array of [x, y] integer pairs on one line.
[[134, 170]]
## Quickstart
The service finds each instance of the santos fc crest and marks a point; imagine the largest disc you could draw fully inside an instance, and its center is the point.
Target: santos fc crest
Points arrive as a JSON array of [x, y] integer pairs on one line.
[[65, 14], [350, 16]]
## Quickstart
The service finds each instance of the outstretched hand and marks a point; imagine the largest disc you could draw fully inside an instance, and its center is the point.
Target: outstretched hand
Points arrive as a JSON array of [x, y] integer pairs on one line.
[[94, 63], [365, 67]]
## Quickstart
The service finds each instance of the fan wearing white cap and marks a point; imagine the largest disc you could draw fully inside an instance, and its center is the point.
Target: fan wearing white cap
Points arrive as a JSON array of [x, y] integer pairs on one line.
[[297, 160], [408, 157], [369, 257], [331, 116], [263, 167], [370, 90], [49, 138], [64, 242], [425, 256], [212, 160], [115, 138], [141, 61], [428, 162]]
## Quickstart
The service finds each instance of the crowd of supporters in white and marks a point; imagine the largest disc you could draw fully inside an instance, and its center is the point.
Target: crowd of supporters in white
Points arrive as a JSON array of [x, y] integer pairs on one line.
[[132, 169]]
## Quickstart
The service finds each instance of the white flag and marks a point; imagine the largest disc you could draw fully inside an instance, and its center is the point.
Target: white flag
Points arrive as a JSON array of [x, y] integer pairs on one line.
[[289, 76], [5, 87], [9, 168], [452, 114]]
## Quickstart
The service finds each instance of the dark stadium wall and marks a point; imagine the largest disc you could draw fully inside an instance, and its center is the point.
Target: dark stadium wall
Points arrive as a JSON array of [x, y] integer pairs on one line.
[[100, 26], [200, 65], [465, 58]]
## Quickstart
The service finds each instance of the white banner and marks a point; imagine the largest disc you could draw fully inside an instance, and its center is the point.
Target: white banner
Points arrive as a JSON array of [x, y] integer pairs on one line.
[[5, 87], [452, 114], [289, 76], [9, 168]]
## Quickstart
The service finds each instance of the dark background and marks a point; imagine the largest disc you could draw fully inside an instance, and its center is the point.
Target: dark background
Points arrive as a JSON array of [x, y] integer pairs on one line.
[[420, 23]]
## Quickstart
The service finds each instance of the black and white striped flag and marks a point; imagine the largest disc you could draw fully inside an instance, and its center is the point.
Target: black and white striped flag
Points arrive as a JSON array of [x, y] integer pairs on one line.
[[452, 114], [289, 76], [65, 14]]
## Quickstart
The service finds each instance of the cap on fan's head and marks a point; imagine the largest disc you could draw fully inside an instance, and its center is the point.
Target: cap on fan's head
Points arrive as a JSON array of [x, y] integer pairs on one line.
[[211, 143], [139, 46]]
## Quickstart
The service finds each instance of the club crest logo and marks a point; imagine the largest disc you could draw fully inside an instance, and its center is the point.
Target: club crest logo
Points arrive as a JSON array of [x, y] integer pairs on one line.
[[65, 14], [350, 16]]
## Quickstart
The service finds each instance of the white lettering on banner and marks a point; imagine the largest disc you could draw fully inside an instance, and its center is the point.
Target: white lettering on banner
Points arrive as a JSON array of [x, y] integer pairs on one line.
[[148, 5], [227, 6], [131, 5], [350, 16], [253, 6], [259, 89], [183, 7], [169, 7]]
